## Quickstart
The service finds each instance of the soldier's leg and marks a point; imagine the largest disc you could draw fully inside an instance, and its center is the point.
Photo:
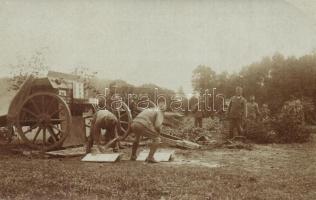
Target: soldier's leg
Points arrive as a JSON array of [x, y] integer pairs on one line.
[[115, 144], [195, 122], [153, 148], [135, 146], [136, 129], [231, 128], [200, 122], [91, 136], [239, 127]]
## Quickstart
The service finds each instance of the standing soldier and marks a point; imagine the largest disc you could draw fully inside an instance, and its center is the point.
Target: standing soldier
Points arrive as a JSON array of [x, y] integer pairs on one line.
[[198, 114], [237, 111], [148, 123], [103, 119], [252, 109], [265, 112]]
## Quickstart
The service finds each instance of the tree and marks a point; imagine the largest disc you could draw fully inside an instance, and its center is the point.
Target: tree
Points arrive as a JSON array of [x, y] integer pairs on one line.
[[203, 78], [36, 65]]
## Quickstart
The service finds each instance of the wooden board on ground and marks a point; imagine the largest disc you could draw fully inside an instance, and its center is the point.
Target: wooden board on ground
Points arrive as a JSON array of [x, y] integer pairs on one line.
[[70, 152], [162, 155], [104, 157], [180, 143]]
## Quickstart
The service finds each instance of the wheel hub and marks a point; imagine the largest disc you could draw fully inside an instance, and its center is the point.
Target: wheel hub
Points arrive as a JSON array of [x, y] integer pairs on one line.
[[45, 120]]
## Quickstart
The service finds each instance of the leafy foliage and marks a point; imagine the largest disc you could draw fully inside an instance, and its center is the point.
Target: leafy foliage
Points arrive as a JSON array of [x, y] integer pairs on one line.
[[290, 124], [273, 80], [34, 66]]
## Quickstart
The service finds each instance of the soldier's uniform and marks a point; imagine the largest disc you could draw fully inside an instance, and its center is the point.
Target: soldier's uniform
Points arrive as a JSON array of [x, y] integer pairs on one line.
[[147, 123], [198, 116], [103, 119], [236, 111], [265, 113], [252, 111]]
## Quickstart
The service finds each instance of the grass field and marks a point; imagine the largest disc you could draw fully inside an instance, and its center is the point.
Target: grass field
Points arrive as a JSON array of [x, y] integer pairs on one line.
[[266, 172]]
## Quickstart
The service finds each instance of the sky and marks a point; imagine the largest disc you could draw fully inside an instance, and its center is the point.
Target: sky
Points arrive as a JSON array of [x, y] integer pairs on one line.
[[158, 42]]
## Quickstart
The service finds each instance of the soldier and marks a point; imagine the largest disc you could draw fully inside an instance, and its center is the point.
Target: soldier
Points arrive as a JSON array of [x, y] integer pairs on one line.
[[265, 113], [198, 115], [237, 111], [148, 123], [252, 109], [103, 119]]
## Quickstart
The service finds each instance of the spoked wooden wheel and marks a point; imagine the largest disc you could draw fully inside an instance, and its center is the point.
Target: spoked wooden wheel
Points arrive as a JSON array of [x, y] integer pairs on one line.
[[124, 116], [43, 121]]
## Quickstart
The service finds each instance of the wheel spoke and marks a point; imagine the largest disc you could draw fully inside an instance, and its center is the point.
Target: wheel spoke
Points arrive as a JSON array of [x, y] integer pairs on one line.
[[35, 106], [51, 132], [125, 113], [43, 104], [44, 136], [28, 121], [30, 112], [123, 130], [58, 120], [36, 134], [118, 114], [57, 111], [49, 104], [59, 130], [31, 128]]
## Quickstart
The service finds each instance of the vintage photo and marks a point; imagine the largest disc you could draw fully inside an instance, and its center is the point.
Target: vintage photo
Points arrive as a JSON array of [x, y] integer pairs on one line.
[[158, 99]]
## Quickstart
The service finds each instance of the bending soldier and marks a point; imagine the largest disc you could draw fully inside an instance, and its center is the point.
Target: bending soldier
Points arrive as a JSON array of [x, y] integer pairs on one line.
[[103, 119], [148, 123]]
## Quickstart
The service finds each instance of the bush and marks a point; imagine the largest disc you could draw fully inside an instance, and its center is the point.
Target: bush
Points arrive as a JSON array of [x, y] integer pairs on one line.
[[289, 131], [288, 127], [290, 123], [260, 132]]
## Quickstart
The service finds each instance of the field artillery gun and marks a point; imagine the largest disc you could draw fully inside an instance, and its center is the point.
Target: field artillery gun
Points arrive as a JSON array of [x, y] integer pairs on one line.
[[44, 110]]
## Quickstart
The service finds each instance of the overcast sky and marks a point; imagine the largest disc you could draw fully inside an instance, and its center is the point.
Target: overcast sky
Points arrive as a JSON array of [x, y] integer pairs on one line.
[[155, 41]]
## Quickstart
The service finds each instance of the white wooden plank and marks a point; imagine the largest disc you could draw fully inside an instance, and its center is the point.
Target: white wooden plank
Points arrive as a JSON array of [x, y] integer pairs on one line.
[[162, 155], [104, 157]]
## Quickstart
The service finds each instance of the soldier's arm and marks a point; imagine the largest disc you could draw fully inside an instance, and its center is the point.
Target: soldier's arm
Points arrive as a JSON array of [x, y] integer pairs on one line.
[[157, 123], [230, 105]]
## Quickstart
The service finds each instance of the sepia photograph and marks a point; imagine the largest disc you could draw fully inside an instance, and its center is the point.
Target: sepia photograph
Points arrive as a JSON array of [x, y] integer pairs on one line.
[[158, 100]]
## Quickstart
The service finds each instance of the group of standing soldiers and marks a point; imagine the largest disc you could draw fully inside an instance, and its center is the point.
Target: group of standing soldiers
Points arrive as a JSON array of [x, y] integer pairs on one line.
[[239, 111]]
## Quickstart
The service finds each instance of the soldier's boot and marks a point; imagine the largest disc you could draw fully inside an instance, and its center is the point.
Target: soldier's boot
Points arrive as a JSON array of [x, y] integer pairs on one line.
[[152, 151]]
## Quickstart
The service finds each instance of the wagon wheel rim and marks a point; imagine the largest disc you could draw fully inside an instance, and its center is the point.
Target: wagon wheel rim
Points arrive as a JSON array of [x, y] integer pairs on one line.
[[143, 106], [124, 118], [47, 118]]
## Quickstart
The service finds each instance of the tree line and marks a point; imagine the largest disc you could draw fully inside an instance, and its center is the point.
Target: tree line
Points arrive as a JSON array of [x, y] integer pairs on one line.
[[273, 80]]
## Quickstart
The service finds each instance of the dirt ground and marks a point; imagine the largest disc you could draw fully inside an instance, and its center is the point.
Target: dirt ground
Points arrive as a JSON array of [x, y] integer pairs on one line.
[[265, 172]]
